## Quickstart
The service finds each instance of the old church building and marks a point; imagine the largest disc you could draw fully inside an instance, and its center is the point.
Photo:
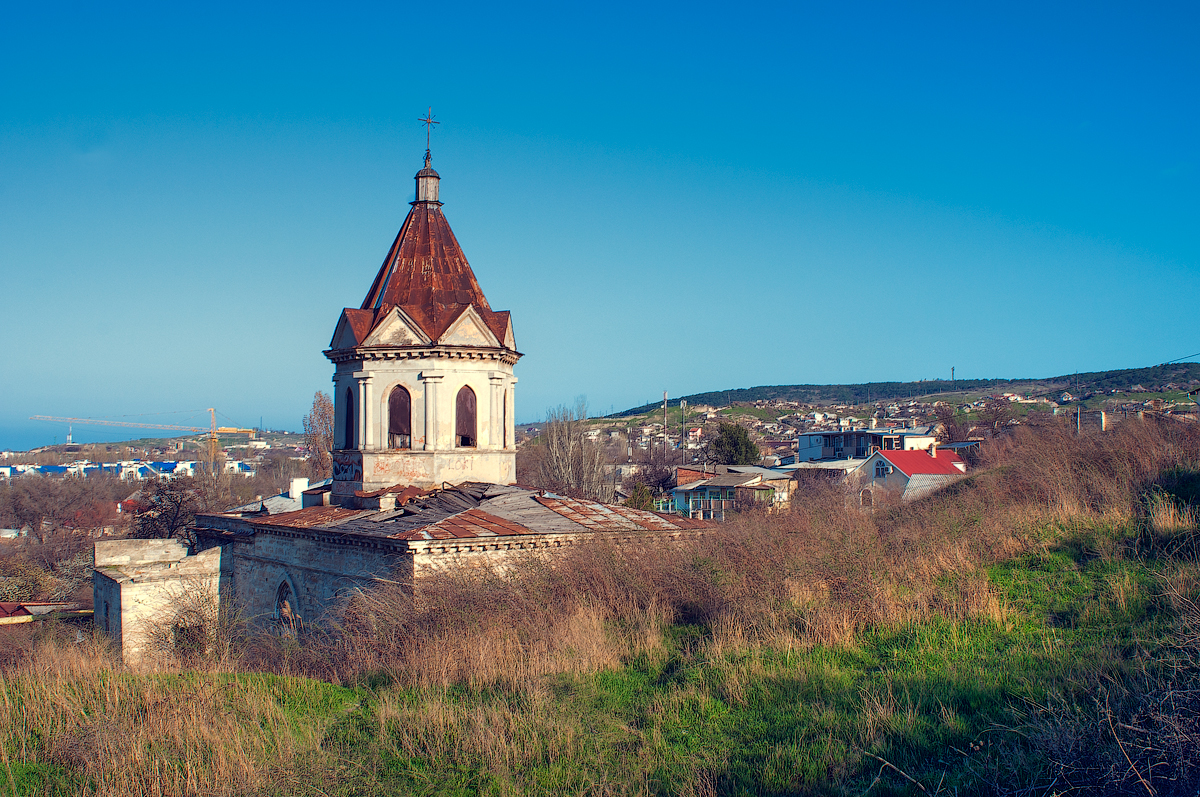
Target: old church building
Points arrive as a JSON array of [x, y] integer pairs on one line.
[[423, 469]]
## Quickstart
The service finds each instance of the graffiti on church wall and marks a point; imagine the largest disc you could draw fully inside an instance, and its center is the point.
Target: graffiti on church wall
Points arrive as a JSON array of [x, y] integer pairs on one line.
[[347, 466]]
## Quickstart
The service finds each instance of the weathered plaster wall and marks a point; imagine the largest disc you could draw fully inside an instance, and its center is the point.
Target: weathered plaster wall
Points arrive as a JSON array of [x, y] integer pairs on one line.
[[433, 384], [432, 556], [106, 600], [319, 569], [133, 553], [145, 584], [427, 468]]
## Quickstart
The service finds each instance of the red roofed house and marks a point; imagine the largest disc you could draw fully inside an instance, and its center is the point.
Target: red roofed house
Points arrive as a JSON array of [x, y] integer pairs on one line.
[[912, 473]]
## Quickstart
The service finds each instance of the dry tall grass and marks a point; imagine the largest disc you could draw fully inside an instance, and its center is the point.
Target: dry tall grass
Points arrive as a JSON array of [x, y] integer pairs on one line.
[[70, 704], [818, 575]]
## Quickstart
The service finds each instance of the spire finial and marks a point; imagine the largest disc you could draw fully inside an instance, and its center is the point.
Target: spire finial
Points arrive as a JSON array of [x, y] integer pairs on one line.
[[429, 123]]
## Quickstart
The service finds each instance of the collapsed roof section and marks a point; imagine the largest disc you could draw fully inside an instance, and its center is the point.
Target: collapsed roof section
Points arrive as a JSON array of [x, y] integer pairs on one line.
[[468, 510]]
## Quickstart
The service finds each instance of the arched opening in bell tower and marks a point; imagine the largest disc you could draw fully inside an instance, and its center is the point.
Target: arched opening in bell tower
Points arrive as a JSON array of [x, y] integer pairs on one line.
[[464, 418], [349, 427], [399, 418]]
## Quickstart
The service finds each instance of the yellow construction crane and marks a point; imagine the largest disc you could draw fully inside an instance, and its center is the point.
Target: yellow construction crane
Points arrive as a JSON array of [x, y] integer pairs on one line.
[[211, 432]]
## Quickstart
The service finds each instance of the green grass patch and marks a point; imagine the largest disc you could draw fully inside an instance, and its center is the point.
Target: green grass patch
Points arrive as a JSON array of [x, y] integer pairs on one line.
[[931, 698], [945, 700]]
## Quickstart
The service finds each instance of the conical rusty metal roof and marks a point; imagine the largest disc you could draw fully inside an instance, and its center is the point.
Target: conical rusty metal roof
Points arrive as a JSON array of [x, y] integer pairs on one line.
[[426, 274], [425, 266]]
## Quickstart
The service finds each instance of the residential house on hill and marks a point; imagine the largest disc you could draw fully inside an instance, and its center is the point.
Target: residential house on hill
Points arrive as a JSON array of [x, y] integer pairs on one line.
[[859, 443], [912, 473], [709, 491]]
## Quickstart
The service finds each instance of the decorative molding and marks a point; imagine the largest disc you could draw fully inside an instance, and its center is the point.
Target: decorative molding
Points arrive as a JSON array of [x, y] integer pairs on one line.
[[385, 353]]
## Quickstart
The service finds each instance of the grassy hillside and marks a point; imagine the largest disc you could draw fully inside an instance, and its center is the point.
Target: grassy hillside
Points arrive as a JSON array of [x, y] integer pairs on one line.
[[1032, 629], [1151, 378]]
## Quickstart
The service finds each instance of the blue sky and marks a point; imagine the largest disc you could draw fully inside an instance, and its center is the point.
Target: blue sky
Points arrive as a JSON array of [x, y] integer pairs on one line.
[[680, 197]]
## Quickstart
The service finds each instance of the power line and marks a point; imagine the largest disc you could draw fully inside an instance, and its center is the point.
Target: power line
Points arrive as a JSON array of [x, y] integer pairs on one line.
[[1181, 359]]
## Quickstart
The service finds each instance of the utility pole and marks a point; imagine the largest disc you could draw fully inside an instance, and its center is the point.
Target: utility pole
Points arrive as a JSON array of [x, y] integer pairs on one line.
[[682, 432], [666, 427]]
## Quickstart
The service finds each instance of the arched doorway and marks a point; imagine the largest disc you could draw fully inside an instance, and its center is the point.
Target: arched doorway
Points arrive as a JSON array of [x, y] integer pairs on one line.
[[399, 419], [464, 418]]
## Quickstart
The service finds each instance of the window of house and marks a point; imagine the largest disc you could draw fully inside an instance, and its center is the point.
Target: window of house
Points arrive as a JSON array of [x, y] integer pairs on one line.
[[399, 419], [464, 418], [348, 432], [880, 469]]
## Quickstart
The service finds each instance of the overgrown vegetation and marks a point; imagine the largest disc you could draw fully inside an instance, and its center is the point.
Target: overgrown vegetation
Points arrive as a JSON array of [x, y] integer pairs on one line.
[[1032, 630]]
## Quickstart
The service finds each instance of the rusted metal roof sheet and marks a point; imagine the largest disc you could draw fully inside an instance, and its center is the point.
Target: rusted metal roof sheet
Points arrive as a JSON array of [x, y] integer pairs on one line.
[[419, 512], [361, 322], [465, 525], [595, 516], [314, 516], [426, 275], [404, 494], [473, 510]]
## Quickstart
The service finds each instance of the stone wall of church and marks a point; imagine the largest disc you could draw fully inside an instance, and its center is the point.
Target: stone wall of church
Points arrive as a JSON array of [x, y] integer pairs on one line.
[[315, 571], [433, 387], [362, 390], [147, 591], [430, 557]]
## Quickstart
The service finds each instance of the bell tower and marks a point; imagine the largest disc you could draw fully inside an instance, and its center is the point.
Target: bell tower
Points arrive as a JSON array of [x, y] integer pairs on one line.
[[423, 369]]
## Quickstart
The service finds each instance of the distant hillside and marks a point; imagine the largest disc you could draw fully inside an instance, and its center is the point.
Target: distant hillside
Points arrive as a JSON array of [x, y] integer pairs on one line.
[[1151, 379]]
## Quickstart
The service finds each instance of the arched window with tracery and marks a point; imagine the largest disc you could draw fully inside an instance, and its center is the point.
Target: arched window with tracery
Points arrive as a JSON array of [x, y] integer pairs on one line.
[[287, 613], [464, 418], [399, 419], [348, 430]]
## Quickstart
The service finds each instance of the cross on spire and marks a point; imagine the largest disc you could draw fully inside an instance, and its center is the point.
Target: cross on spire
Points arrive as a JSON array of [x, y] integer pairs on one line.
[[429, 123]]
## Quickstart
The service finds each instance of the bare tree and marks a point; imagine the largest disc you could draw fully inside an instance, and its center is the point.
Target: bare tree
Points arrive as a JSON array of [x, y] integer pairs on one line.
[[318, 435], [167, 507], [571, 464], [995, 415], [955, 427], [656, 470]]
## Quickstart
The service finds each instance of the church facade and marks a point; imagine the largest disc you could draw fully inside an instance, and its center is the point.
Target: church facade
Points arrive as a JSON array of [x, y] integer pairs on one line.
[[424, 462]]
